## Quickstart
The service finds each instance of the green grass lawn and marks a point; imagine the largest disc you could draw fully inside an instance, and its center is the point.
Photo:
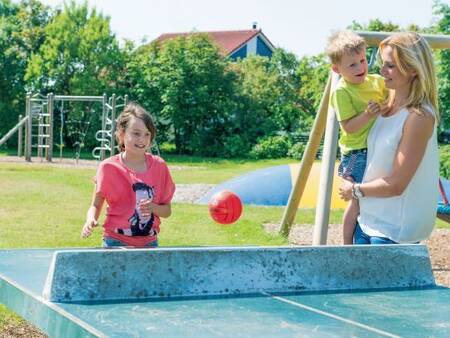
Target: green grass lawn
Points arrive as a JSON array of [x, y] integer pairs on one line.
[[48, 205], [44, 207]]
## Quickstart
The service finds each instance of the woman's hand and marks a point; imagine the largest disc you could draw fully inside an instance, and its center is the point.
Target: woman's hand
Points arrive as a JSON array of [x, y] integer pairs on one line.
[[345, 190]]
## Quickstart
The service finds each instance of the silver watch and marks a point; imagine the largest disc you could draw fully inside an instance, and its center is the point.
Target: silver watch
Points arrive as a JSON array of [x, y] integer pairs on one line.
[[356, 191]]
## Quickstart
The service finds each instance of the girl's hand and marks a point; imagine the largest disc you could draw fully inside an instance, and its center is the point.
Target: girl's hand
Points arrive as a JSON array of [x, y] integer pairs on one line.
[[345, 190], [146, 207], [88, 227]]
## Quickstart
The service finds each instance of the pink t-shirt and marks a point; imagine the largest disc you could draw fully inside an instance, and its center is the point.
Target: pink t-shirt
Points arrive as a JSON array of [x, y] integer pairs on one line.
[[122, 188]]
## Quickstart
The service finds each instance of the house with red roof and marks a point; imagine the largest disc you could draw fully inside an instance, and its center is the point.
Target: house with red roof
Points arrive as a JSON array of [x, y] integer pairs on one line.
[[234, 44]]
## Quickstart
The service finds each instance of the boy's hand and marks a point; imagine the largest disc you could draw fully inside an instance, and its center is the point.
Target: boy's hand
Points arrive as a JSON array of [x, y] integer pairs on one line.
[[345, 189], [373, 109], [88, 227]]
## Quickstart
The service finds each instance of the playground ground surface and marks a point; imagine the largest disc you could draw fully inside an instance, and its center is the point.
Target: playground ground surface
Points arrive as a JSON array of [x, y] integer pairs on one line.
[[438, 244]]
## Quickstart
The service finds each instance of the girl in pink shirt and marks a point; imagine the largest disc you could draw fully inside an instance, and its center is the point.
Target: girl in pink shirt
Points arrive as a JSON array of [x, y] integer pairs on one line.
[[136, 186]]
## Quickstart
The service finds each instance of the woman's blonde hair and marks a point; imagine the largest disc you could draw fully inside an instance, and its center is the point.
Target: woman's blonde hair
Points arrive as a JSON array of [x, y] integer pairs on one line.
[[412, 54]]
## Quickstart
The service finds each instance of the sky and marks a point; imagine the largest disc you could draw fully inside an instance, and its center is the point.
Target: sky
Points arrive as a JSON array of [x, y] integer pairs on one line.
[[299, 26]]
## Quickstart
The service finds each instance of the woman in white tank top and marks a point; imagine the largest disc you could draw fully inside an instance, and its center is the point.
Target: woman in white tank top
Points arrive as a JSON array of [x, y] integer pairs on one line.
[[399, 191]]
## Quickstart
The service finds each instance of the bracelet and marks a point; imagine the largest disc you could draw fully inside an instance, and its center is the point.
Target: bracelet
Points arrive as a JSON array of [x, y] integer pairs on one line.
[[353, 192]]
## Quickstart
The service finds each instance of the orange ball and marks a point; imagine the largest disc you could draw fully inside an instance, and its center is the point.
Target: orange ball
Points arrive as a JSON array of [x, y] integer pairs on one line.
[[225, 207]]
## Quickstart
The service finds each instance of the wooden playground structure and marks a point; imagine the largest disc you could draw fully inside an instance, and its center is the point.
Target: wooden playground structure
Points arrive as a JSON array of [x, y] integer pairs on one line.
[[36, 129]]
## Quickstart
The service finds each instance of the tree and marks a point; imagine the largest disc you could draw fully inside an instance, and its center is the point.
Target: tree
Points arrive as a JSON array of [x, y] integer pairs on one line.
[[196, 91], [79, 56], [442, 26], [269, 100], [21, 32], [313, 72], [142, 74]]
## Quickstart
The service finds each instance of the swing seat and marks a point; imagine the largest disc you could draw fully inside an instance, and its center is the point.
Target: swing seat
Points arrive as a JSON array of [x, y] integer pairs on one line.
[[443, 212]]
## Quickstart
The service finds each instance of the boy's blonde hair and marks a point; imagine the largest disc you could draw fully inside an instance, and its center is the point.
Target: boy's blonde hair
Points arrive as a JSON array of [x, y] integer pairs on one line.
[[344, 42], [412, 54]]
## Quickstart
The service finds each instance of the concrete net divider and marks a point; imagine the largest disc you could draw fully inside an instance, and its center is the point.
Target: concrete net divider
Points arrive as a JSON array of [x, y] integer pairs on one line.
[[100, 275]]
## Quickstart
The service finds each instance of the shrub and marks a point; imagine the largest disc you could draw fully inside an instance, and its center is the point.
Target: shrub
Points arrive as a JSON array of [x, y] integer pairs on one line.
[[297, 150], [271, 147], [444, 155], [235, 146]]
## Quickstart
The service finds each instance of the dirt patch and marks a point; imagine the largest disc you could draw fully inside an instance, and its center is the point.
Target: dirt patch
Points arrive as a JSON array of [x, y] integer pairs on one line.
[[59, 163], [438, 245], [72, 163], [190, 193], [24, 330]]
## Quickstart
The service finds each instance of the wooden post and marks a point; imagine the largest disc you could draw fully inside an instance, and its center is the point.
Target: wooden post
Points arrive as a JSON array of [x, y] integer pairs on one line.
[[19, 138], [326, 174], [113, 125], [102, 142], [28, 129], [307, 161], [50, 104]]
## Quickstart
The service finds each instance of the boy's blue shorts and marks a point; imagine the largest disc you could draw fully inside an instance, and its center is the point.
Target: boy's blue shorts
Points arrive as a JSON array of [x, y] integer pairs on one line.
[[353, 164]]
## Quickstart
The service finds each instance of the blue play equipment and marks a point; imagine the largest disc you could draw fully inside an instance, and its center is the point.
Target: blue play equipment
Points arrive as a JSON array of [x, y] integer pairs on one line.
[[271, 187], [268, 186]]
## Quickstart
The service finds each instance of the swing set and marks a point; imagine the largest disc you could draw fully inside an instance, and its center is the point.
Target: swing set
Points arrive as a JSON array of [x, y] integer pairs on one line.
[[73, 117], [73, 124]]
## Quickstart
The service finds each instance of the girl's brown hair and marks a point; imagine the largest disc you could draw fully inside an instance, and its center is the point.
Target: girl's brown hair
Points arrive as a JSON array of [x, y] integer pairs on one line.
[[131, 110]]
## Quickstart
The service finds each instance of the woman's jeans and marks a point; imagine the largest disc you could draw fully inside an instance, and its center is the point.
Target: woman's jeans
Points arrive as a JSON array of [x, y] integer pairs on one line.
[[360, 237]]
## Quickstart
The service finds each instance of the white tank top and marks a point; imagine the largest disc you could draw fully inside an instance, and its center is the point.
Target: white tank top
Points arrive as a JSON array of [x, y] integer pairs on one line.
[[410, 217]]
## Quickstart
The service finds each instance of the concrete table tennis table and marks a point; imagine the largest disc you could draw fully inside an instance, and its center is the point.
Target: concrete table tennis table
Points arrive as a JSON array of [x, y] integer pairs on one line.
[[361, 291]]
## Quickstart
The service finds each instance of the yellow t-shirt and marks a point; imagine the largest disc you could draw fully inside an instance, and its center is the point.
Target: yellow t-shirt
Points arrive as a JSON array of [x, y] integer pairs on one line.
[[349, 100]]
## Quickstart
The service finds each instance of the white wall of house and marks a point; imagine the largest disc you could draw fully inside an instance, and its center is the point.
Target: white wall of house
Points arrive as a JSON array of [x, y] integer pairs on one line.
[[251, 46]]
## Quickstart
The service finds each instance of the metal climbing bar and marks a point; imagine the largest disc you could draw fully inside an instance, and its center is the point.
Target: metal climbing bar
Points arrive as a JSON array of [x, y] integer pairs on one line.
[[78, 98], [106, 136]]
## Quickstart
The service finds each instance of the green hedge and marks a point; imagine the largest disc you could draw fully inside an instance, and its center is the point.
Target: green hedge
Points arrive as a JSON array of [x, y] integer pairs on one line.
[[444, 159]]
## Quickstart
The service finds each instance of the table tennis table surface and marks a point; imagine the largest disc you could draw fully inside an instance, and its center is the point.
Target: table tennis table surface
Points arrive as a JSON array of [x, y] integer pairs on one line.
[[415, 312]]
